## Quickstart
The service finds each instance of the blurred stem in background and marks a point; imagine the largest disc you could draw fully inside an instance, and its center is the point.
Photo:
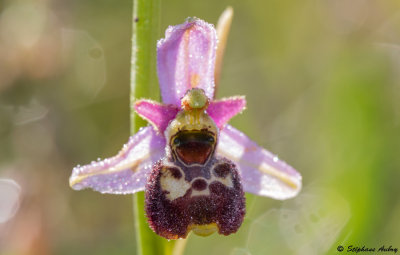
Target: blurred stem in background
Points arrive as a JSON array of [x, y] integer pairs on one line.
[[146, 24]]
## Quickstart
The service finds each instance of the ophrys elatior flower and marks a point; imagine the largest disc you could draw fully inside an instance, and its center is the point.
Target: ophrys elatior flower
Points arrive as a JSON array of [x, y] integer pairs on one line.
[[193, 167]]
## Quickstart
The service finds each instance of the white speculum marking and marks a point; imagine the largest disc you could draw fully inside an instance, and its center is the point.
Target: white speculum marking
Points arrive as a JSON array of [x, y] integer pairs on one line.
[[178, 187]]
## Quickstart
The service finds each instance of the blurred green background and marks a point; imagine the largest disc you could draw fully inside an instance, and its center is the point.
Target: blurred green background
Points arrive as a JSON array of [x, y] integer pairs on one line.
[[322, 82]]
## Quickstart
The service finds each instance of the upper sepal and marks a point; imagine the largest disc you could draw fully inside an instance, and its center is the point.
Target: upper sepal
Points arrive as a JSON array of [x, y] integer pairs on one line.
[[186, 59], [127, 171]]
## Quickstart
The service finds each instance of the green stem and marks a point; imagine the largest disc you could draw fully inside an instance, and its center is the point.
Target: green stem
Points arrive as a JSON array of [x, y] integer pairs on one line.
[[146, 21]]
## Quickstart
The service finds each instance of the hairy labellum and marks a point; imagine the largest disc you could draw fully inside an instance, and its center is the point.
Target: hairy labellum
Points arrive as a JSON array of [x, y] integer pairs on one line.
[[203, 199]]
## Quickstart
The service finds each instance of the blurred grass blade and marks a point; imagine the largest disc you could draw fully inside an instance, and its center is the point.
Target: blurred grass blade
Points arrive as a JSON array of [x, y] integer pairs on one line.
[[223, 27]]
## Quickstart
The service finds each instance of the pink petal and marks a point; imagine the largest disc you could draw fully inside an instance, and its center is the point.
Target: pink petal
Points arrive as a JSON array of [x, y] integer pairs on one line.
[[126, 172], [221, 111], [186, 59], [157, 114], [262, 172]]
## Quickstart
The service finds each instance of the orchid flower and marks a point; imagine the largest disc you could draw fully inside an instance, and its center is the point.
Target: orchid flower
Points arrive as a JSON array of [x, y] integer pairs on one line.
[[192, 165]]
